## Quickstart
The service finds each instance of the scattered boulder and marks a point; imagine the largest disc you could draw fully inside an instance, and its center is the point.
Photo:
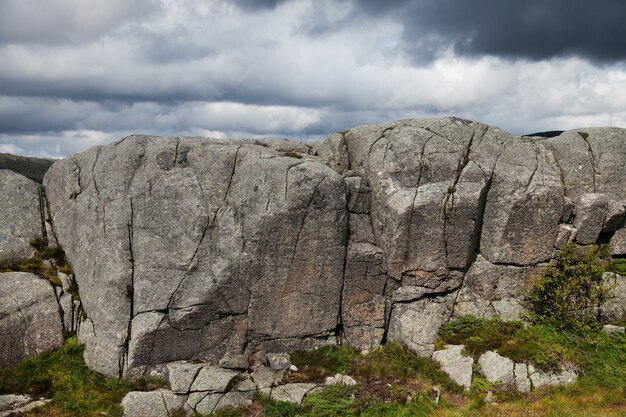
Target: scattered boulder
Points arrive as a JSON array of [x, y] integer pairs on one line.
[[617, 243], [613, 309], [30, 322], [160, 403], [496, 368], [294, 393], [340, 379], [279, 361], [459, 367], [20, 211]]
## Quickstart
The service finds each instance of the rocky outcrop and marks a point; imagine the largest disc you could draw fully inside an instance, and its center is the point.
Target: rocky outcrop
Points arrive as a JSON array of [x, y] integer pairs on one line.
[[185, 248], [20, 211], [197, 248], [29, 317]]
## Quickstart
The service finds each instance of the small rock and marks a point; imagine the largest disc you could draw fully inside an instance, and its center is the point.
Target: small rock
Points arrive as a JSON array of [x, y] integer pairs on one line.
[[522, 381], [246, 384], [331, 380], [348, 380], [610, 329], [182, 375], [489, 397], [11, 401], [234, 361], [293, 368], [455, 364], [496, 368], [267, 378], [292, 392], [279, 361], [213, 379]]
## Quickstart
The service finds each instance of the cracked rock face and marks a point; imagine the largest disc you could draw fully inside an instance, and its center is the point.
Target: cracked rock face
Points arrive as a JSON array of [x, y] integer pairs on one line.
[[20, 211], [185, 248], [189, 249], [30, 323]]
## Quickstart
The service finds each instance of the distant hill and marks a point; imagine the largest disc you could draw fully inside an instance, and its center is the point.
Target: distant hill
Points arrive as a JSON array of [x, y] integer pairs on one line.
[[546, 134], [33, 168]]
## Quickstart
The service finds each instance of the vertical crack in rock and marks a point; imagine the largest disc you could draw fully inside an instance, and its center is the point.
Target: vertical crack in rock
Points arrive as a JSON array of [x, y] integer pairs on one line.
[[382, 136], [592, 159], [345, 145], [130, 292], [346, 239], [287, 177], [77, 170], [417, 186], [532, 176], [461, 166], [93, 169], [209, 224], [42, 212]]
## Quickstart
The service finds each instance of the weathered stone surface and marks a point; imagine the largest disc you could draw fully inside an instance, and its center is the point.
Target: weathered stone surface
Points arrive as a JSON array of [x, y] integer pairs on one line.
[[522, 380], [278, 361], [30, 322], [524, 207], [615, 215], [610, 329], [590, 215], [416, 324], [213, 379], [458, 366], [358, 195], [618, 242], [11, 401], [238, 229], [292, 392], [234, 361], [541, 379], [266, 377], [181, 375], [491, 290], [20, 211], [614, 308], [496, 368], [363, 303], [160, 403]]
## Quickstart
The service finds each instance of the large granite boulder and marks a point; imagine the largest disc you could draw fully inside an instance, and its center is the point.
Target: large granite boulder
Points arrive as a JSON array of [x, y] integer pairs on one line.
[[187, 248], [30, 322], [20, 211]]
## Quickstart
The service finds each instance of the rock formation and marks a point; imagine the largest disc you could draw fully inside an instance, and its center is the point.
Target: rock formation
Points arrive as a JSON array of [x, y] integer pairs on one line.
[[196, 249]]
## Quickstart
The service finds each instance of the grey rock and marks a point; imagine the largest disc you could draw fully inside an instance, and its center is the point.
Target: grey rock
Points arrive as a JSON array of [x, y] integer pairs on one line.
[[267, 378], [160, 403], [181, 375], [524, 207], [203, 403], [360, 229], [567, 234], [541, 379], [363, 303], [610, 329], [522, 380], [416, 324], [496, 368], [213, 379], [590, 215], [613, 309], [233, 400], [358, 195], [20, 211], [278, 361], [234, 361], [238, 229], [294, 393], [618, 242], [491, 290], [30, 322], [11, 401], [458, 366], [245, 384], [615, 215]]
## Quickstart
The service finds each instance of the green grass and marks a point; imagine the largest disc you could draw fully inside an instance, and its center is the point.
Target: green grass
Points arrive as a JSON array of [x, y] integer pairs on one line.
[[618, 266], [62, 376]]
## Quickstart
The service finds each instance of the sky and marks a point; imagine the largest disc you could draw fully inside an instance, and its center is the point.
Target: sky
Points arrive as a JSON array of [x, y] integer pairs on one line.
[[77, 73]]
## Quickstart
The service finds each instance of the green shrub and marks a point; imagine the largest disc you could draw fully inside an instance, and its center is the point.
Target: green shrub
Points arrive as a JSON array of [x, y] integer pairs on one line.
[[569, 294], [618, 266]]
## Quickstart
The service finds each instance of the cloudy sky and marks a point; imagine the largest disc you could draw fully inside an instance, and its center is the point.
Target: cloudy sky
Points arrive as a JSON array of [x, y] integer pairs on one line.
[[74, 73]]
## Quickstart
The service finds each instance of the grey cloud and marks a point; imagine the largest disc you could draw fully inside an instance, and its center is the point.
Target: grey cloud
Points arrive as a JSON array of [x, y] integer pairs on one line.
[[53, 22]]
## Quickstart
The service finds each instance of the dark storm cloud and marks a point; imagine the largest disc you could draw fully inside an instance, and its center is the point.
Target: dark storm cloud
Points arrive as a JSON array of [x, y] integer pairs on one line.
[[525, 29]]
